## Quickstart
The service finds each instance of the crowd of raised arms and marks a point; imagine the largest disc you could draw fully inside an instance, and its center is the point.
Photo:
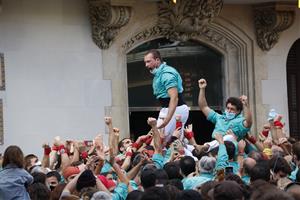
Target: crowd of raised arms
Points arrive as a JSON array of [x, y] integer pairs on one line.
[[234, 165]]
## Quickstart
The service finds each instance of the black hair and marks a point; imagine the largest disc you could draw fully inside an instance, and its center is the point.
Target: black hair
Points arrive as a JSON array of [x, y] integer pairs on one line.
[[148, 178], [187, 165], [278, 164], [260, 171], [230, 148], [173, 170], [177, 183], [54, 173], [135, 195], [38, 191], [235, 102], [156, 193], [39, 177], [189, 195], [161, 176]]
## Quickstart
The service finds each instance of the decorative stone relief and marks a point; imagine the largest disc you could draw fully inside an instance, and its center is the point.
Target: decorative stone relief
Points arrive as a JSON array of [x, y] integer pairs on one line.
[[106, 21], [207, 34], [187, 17], [270, 20]]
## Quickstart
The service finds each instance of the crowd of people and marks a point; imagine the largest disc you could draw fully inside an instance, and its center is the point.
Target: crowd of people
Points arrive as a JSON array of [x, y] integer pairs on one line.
[[166, 163]]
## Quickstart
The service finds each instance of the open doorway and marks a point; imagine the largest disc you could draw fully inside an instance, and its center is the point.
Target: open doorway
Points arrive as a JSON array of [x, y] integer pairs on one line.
[[293, 87], [193, 61]]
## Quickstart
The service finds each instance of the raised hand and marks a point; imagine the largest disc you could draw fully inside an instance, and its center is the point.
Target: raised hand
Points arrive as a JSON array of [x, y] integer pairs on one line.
[[202, 83], [244, 99], [108, 120], [152, 122], [116, 131], [189, 128]]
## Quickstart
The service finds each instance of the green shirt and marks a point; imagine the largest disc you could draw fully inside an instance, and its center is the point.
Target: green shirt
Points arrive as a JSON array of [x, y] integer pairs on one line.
[[165, 78]]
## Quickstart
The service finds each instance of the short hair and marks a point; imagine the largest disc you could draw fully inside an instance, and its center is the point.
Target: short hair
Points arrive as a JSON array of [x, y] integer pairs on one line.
[[228, 190], [230, 148], [148, 178], [39, 177], [188, 194], [134, 195], [278, 164], [155, 53], [260, 171], [161, 176], [27, 160], [39, 191], [172, 190], [13, 155], [173, 170], [187, 165], [55, 174], [235, 102], [156, 193], [207, 164], [206, 187], [177, 183]]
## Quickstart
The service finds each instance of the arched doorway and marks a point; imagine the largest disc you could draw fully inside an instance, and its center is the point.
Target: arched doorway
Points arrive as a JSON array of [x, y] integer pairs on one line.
[[293, 85], [193, 61]]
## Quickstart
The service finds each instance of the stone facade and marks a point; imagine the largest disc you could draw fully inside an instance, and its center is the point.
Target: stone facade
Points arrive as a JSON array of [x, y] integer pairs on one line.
[[61, 81]]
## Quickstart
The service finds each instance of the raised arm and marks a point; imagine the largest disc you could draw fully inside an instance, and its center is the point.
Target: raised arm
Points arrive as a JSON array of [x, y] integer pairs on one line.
[[173, 94], [156, 138], [246, 110], [201, 98]]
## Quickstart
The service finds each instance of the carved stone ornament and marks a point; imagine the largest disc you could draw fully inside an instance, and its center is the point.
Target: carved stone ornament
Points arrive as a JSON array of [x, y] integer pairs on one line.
[[270, 20], [178, 21], [208, 34], [106, 21]]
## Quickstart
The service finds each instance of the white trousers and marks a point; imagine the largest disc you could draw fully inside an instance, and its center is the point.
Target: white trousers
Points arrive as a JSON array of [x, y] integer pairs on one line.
[[182, 110]]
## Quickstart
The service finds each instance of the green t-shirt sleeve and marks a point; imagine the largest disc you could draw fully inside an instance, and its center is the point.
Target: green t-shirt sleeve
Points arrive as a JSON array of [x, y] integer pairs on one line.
[[169, 80]]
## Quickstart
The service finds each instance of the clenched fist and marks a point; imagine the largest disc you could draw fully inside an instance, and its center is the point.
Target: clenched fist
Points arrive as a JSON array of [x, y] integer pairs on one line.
[[202, 83]]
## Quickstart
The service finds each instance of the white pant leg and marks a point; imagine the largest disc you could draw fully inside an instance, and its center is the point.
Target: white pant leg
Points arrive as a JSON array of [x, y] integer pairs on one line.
[[182, 110]]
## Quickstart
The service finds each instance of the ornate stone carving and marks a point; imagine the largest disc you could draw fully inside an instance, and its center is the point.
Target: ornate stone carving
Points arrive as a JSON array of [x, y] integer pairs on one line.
[[178, 21], [208, 34], [270, 20], [106, 20]]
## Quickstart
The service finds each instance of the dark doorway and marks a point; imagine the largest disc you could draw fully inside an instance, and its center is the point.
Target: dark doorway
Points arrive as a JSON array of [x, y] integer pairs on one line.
[[193, 61], [293, 87]]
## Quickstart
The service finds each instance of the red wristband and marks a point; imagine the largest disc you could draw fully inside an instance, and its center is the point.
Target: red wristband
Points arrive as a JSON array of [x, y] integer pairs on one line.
[[252, 139], [84, 155], [178, 124], [265, 133], [148, 141], [189, 135], [47, 151], [136, 145], [55, 148], [61, 147], [128, 154], [278, 124], [145, 139]]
